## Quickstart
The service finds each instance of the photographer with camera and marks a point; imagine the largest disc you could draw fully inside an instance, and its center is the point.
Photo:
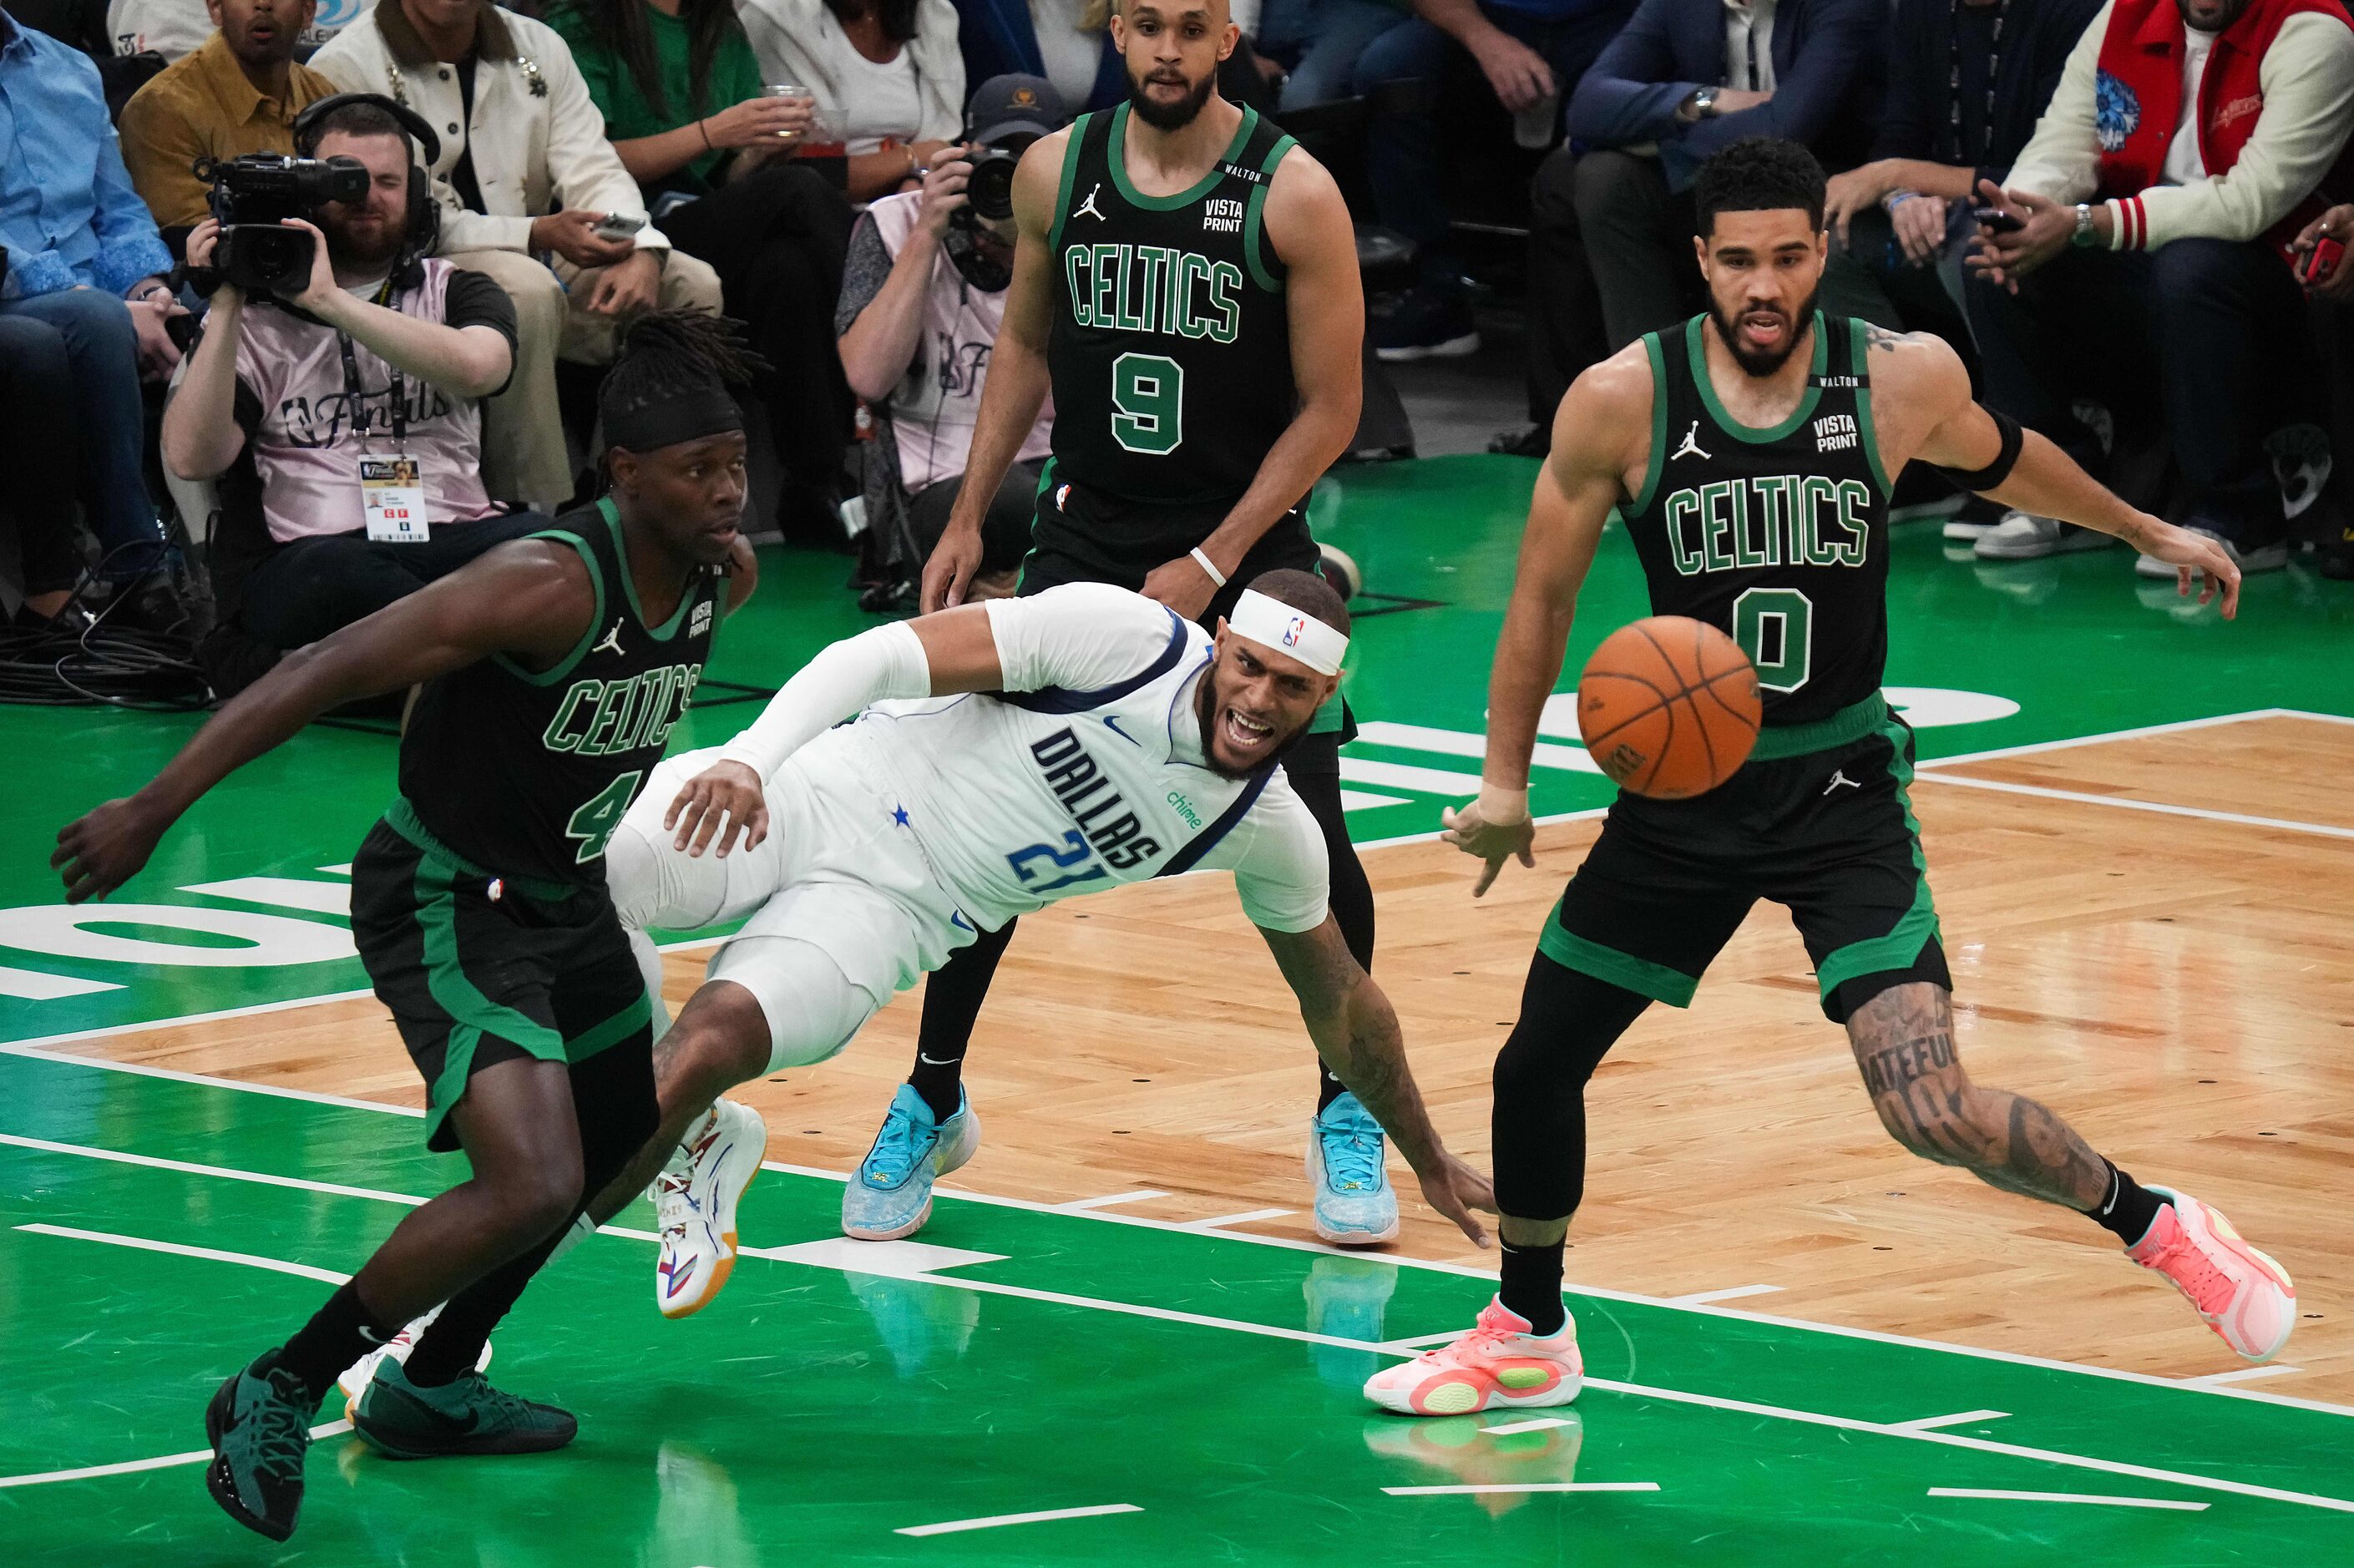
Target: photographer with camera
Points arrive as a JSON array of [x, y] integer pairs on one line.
[[923, 295], [337, 383]]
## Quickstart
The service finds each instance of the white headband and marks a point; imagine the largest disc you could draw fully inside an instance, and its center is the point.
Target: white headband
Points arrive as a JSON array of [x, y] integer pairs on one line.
[[1277, 625]]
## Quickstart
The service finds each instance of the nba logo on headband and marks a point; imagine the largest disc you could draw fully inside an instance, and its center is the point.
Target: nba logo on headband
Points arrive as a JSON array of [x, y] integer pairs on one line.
[[1295, 632], [1292, 630]]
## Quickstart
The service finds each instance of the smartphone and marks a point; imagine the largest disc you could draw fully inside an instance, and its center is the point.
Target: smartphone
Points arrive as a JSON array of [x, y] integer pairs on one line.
[[2319, 262], [1996, 221], [617, 226]]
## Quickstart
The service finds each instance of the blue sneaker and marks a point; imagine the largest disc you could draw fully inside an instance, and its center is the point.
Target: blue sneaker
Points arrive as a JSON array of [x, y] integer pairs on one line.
[[1354, 1205], [890, 1194]]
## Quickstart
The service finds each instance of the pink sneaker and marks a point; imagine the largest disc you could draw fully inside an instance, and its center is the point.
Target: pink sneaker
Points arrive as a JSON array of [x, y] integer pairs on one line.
[[1498, 1365], [2244, 1295]]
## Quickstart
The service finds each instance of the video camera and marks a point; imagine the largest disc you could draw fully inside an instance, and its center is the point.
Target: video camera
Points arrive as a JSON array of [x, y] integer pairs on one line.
[[250, 194]]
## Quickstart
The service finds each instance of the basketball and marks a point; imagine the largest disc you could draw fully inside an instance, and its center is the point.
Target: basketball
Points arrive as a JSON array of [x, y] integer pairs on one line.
[[1669, 706]]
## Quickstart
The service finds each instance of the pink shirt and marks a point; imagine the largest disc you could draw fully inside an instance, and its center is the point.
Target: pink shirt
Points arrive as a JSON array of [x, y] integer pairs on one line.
[[305, 449]]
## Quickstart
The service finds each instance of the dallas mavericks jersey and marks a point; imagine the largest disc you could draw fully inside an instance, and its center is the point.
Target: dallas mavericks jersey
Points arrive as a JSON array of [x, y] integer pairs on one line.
[[527, 772], [1090, 777], [1777, 537], [1171, 348]]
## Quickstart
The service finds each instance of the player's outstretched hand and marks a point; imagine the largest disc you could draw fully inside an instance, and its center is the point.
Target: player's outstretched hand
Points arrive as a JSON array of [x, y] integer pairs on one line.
[[2197, 560], [1454, 1189], [1495, 842], [99, 851], [948, 571], [724, 791]]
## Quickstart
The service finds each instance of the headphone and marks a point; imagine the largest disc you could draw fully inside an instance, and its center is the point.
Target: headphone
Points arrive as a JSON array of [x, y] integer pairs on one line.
[[424, 225]]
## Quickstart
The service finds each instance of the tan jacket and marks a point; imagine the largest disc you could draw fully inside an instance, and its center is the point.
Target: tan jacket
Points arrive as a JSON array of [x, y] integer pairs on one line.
[[203, 107]]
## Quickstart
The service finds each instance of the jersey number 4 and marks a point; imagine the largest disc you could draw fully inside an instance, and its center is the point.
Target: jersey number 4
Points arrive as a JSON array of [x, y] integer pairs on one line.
[[1148, 403], [597, 816], [1069, 852]]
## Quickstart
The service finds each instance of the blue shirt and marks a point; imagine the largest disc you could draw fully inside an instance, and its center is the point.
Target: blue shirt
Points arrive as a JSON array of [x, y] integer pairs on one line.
[[68, 212]]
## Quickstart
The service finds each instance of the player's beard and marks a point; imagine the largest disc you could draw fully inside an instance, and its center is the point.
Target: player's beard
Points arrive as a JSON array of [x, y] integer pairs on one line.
[[1206, 718], [1169, 116], [1761, 365]]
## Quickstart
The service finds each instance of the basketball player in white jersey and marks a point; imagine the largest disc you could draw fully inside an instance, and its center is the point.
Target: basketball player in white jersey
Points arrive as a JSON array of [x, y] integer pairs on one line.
[[1005, 756]]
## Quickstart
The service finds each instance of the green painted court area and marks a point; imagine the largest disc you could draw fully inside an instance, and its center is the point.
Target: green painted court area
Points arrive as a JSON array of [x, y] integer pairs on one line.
[[1030, 1362], [1198, 1392]]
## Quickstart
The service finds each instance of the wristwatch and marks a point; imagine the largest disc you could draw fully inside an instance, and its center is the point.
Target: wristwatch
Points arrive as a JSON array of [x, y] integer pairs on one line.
[[1703, 103], [2085, 234]]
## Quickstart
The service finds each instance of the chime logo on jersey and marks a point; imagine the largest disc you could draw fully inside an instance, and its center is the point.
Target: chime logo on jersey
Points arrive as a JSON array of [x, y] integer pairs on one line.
[[1153, 289], [1111, 829], [1768, 520], [604, 718]]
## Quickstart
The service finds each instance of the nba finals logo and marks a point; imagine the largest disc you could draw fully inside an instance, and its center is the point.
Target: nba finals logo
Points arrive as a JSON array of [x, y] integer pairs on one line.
[[1293, 632]]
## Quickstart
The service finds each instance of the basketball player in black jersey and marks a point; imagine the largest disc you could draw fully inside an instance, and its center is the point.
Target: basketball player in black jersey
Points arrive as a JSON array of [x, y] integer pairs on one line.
[[552, 670], [1185, 284], [1750, 452]]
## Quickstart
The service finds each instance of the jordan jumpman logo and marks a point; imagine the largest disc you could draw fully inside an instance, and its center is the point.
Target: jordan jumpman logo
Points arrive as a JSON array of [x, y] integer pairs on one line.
[[611, 643], [1691, 446], [1088, 208]]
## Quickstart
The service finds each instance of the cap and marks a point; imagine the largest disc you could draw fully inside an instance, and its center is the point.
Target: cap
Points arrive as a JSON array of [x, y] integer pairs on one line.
[[1014, 105]]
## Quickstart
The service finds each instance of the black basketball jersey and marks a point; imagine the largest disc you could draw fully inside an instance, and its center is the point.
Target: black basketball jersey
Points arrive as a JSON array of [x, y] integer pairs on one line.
[[1170, 352], [1778, 537], [527, 772]]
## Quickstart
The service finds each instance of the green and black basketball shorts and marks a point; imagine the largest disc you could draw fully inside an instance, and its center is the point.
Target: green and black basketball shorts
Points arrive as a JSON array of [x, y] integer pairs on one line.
[[1818, 822], [478, 969]]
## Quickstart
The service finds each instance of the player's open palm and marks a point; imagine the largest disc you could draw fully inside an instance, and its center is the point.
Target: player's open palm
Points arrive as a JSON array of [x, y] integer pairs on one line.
[[728, 792], [2197, 560], [99, 852], [1469, 830], [1454, 1189]]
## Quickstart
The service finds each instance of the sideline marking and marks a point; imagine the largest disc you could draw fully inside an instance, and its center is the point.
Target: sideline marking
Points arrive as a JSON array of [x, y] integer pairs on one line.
[[276, 1266], [129, 1467], [2127, 803], [1963, 1418], [2245, 1374], [1524, 1486], [1508, 1428], [2101, 1498], [1732, 1293], [1082, 1205], [1219, 1222], [993, 1520], [189, 1167]]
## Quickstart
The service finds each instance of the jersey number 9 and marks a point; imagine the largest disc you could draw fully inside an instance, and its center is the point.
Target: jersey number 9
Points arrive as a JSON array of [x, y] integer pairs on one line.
[[1148, 403]]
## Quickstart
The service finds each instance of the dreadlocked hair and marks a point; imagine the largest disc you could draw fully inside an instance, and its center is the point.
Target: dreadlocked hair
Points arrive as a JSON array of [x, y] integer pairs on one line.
[[676, 353]]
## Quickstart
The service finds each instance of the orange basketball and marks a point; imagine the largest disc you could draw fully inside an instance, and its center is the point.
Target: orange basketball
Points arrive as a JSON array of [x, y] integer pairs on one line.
[[1668, 707]]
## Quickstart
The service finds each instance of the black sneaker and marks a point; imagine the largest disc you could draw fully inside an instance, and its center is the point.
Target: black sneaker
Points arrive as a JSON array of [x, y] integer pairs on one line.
[[464, 1415], [1426, 324], [260, 1427]]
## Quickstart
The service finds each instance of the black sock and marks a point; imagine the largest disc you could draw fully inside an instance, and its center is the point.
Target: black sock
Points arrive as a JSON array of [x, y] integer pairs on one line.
[[1327, 1088], [2129, 1210], [338, 1334], [952, 999], [1532, 1286]]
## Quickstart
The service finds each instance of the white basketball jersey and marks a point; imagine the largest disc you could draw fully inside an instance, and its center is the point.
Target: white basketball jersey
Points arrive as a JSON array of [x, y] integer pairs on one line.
[[1087, 771]]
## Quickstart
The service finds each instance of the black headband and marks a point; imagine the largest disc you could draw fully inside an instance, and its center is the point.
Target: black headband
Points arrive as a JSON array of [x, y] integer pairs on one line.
[[666, 423]]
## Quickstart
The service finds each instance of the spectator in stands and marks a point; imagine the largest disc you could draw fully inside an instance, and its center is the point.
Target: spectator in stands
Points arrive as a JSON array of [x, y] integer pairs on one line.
[[1317, 43], [1532, 53], [524, 177], [36, 503], [886, 74], [304, 415], [85, 269], [1068, 42], [238, 94], [2183, 153], [682, 101], [1610, 226], [178, 28], [2332, 284], [922, 298]]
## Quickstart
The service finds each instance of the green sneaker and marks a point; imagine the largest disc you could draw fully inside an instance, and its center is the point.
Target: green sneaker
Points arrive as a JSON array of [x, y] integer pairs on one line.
[[465, 1416], [260, 1427]]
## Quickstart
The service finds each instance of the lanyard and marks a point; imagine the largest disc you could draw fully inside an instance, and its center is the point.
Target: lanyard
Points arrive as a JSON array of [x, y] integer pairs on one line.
[[1953, 83], [354, 397]]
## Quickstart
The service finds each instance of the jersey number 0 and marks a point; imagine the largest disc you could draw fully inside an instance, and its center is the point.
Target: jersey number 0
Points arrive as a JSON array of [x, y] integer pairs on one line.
[[1148, 403]]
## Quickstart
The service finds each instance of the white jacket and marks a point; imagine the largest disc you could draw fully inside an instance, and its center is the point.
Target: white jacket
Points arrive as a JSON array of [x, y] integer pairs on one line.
[[799, 41], [538, 137]]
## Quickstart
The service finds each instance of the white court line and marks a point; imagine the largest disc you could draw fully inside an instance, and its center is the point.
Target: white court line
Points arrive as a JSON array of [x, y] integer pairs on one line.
[[1082, 1205], [1508, 1427], [1640, 1390], [1523, 1486], [1927, 773], [1962, 1418], [85, 1152], [2140, 732], [2244, 1374], [178, 1249], [2099, 1499], [993, 1520], [132, 1466], [1730, 1292], [1248, 1216]]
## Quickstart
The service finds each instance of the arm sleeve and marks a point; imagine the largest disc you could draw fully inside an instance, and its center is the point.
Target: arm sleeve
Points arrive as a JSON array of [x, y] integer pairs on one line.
[[2062, 158], [1630, 92], [2307, 77], [863, 273], [1851, 39], [475, 299], [845, 678], [1078, 638], [1276, 854]]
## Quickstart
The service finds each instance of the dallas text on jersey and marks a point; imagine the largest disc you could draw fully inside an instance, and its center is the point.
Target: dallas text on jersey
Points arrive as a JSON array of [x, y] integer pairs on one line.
[[1073, 775]]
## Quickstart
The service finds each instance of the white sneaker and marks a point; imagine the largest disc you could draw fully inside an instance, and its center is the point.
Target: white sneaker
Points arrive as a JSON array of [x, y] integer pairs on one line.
[[1966, 525], [361, 1373], [694, 1205], [2272, 557], [2024, 537]]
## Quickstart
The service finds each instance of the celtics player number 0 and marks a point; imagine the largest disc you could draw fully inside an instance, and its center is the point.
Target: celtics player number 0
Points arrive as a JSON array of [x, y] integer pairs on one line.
[[1148, 403], [1774, 626]]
